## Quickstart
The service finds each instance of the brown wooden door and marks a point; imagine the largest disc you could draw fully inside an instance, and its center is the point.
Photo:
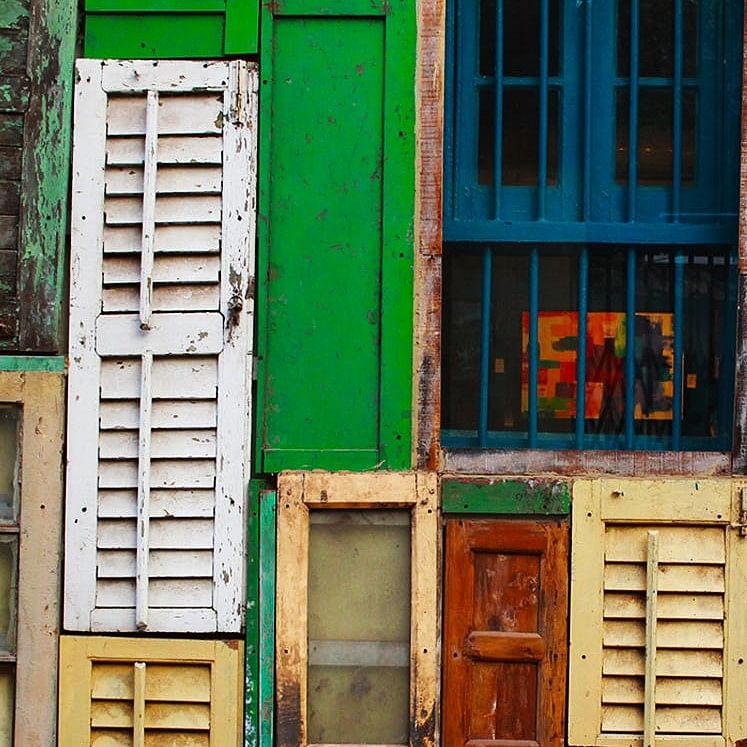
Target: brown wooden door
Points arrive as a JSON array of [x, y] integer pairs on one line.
[[505, 633]]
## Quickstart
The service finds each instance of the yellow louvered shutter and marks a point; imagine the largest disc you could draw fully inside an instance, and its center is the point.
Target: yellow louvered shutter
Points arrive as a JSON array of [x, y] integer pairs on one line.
[[149, 693], [657, 632]]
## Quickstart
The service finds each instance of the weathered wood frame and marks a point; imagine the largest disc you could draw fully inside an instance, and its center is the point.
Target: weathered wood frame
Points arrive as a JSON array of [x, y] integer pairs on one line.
[[298, 494], [41, 397], [78, 653], [598, 502], [498, 495]]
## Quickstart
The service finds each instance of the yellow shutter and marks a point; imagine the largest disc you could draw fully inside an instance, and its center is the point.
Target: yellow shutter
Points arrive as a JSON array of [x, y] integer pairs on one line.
[[656, 569], [149, 693]]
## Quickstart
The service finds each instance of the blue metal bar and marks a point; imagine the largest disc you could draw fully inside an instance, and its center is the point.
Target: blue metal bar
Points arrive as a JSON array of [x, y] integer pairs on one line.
[[498, 124], [677, 113], [583, 308], [543, 107], [588, 48], [679, 324], [630, 291], [633, 112], [533, 344], [487, 286]]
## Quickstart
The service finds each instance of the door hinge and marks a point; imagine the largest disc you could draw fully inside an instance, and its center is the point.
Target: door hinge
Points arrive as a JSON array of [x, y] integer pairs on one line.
[[238, 105], [741, 523]]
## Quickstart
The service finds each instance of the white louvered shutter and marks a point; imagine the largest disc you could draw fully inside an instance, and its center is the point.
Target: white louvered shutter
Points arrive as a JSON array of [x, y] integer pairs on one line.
[[160, 344], [658, 637]]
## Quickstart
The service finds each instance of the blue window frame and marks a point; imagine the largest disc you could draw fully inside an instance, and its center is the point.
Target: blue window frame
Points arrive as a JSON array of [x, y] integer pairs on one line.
[[549, 221]]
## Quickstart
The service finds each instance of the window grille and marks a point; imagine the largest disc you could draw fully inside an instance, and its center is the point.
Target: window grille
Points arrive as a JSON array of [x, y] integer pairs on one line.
[[590, 199]]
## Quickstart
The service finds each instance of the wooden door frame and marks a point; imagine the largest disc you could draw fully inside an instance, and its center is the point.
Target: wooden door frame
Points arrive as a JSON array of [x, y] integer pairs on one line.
[[298, 494]]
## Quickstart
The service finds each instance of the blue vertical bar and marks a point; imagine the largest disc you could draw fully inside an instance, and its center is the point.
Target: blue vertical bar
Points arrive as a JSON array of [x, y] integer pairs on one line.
[[677, 113], [543, 107], [587, 110], [679, 325], [630, 291], [533, 343], [583, 308], [498, 132], [487, 284], [633, 118]]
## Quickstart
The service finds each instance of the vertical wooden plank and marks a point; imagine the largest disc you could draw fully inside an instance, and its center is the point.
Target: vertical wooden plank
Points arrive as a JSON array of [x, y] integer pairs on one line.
[[241, 34], [291, 641], [45, 176], [138, 705], [587, 584], [234, 368], [226, 701], [85, 305], [40, 556], [652, 591], [267, 551], [150, 164], [252, 622], [735, 627], [142, 575], [424, 631], [74, 713]]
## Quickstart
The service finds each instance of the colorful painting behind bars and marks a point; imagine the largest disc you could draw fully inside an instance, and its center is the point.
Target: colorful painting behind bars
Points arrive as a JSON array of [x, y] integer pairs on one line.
[[605, 366]]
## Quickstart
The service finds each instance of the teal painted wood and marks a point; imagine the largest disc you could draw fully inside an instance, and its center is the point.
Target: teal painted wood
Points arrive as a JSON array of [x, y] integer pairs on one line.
[[251, 651], [335, 278], [495, 496], [47, 363], [168, 29], [267, 553]]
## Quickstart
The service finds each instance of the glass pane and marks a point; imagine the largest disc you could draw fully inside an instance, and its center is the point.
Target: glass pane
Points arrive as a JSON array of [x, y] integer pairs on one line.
[[487, 37], [521, 37], [7, 703], [521, 137], [8, 591], [656, 38], [708, 319], [9, 418], [359, 627], [655, 136]]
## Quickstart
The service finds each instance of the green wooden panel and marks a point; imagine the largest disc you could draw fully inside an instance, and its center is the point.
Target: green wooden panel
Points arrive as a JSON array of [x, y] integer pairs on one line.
[[163, 29], [251, 650], [491, 496], [335, 260], [267, 553], [48, 363]]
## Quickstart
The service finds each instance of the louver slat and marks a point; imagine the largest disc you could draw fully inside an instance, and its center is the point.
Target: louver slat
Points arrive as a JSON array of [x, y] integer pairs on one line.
[[161, 324], [656, 668]]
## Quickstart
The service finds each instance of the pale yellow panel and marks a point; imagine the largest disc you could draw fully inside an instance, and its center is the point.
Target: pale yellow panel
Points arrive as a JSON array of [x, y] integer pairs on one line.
[[178, 682], [669, 663], [622, 690], [669, 634], [112, 681], [111, 714], [179, 716], [689, 691], [7, 693], [683, 578], [693, 720], [167, 739], [669, 606], [677, 544], [111, 738], [622, 719]]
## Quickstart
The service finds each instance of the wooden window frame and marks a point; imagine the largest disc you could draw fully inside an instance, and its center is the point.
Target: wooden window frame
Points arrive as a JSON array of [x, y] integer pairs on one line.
[[41, 400], [298, 494]]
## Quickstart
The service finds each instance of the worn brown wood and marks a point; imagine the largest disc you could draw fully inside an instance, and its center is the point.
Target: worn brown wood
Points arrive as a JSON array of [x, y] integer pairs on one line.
[[430, 106], [628, 463], [505, 638]]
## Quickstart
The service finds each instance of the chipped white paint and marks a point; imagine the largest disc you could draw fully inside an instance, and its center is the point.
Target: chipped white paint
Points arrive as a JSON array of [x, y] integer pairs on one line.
[[161, 325]]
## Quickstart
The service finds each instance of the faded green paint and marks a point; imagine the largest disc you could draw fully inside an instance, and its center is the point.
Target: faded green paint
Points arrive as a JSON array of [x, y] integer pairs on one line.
[[251, 650], [336, 246], [48, 363], [495, 496], [168, 29], [12, 13], [267, 554], [46, 167]]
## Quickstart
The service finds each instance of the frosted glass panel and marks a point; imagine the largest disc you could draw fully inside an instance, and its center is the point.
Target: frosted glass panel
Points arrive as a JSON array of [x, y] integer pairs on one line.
[[8, 459], [359, 627], [7, 700]]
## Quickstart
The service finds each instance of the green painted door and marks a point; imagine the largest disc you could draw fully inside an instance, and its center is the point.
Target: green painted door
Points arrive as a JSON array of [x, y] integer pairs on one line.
[[145, 29], [336, 244]]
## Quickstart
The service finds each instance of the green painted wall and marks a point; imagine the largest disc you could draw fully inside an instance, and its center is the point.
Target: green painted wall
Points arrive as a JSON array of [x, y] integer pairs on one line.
[[337, 170], [145, 29]]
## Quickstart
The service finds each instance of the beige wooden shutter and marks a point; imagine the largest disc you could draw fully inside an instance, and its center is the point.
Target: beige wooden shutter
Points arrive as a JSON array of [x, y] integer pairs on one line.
[[127, 691], [160, 344], [658, 633]]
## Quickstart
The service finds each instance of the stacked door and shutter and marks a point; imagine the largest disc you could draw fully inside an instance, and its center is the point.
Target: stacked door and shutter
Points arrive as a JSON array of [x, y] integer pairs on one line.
[[162, 251], [657, 616]]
